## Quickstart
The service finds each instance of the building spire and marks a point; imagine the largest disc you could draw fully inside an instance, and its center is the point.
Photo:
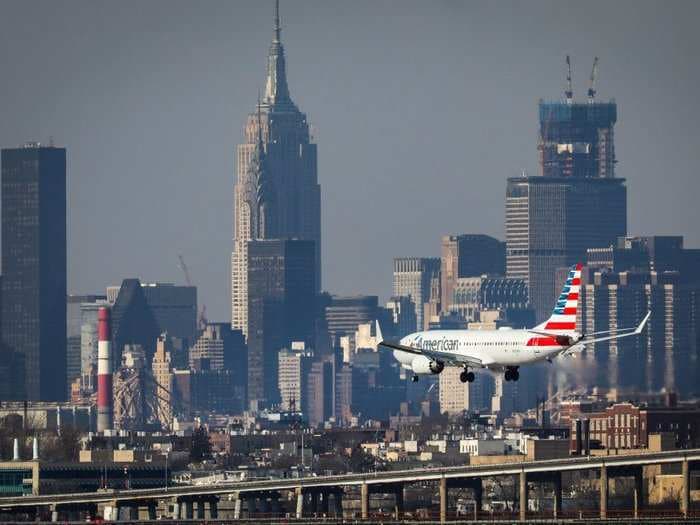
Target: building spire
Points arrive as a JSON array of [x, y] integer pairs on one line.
[[276, 90], [278, 29]]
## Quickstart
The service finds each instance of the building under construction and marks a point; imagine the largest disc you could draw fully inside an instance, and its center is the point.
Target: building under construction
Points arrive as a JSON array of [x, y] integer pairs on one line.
[[574, 204], [576, 139]]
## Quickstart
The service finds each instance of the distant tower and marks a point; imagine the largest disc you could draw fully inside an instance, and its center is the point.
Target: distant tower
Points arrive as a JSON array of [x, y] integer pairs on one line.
[[281, 309], [412, 278], [276, 194], [34, 271], [576, 203]]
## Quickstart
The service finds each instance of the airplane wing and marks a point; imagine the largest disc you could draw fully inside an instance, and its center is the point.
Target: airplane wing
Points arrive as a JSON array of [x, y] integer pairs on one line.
[[446, 357]]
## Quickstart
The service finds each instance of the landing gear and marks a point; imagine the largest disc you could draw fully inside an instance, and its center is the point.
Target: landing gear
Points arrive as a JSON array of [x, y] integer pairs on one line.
[[414, 379], [466, 376], [512, 373]]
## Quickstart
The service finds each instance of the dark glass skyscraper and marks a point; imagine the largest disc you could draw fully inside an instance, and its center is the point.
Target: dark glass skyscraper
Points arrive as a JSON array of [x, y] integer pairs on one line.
[[34, 269], [133, 321], [281, 308], [174, 308]]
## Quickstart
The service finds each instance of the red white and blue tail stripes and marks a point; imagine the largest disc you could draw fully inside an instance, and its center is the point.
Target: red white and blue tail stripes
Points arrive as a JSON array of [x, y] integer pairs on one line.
[[563, 317]]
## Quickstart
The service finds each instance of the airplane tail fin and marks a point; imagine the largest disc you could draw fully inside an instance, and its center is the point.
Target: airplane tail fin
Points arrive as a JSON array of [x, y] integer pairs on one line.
[[563, 318]]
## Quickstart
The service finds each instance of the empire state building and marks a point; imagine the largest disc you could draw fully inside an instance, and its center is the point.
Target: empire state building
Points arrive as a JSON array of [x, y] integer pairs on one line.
[[276, 194]]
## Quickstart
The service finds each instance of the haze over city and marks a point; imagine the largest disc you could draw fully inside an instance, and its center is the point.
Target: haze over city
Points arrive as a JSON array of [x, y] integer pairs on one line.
[[420, 110], [378, 261]]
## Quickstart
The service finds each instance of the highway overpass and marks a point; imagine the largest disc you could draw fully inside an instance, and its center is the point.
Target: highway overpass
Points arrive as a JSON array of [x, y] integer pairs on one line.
[[315, 493]]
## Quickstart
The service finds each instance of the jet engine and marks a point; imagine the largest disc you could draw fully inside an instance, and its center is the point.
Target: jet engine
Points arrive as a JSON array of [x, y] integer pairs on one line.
[[423, 365], [564, 340]]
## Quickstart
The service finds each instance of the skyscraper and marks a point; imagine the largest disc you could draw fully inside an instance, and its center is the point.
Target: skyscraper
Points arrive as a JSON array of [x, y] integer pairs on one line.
[[34, 269], [133, 322], [162, 370], [320, 391], [412, 278], [345, 314], [174, 308], [293, 370], [551, 221], [468, 255], [471, 295], [620, 284], [277, 194], [223, 347], [281, 309], [403, 315], [78, 317], [73, 339], [576, 203], [577, 139]]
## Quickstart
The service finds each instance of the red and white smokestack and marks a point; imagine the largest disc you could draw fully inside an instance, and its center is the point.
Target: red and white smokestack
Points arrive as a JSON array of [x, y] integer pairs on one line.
[[104, 370]]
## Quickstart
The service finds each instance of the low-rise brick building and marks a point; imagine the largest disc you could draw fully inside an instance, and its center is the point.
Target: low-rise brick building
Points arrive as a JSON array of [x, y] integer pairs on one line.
[[624, 425]]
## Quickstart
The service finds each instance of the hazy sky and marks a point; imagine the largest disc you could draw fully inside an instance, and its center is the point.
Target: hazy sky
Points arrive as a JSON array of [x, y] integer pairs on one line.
[[421, 110]]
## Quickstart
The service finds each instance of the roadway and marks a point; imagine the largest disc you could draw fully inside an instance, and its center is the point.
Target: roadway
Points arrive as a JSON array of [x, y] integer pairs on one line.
[[369, 479]]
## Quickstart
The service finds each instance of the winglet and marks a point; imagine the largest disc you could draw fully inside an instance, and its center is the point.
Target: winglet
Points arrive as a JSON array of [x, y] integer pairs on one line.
[[380, 338], [644, 322]]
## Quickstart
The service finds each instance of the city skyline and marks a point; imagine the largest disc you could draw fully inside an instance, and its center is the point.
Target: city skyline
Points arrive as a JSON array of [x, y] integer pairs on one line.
[[113, 95]]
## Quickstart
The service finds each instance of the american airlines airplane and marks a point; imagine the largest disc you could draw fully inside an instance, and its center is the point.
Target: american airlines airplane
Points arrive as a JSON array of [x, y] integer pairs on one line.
[[505, 349]]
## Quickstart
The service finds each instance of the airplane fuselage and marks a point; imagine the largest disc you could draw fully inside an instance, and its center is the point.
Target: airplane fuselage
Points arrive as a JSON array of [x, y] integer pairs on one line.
[[494, 348]]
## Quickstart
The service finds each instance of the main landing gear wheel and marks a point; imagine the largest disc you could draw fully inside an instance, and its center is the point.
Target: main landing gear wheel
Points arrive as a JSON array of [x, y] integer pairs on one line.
[[414, 379], [466, 376], [512, 374]]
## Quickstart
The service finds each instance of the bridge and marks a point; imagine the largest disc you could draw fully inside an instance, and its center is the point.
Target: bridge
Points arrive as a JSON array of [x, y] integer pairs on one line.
[[314, 494]]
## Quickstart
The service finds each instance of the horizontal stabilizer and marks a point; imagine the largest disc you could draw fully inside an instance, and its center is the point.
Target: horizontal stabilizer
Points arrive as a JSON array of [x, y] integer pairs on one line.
[[626, 333]]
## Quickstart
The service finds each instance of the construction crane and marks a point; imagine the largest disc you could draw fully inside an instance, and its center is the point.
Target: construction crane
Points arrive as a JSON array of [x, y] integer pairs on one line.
[[569, 93], [594, 77], [202, 314], [185, 270]]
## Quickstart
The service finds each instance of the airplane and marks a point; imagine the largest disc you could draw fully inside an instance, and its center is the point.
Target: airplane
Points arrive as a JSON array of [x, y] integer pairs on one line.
[[505, 349]]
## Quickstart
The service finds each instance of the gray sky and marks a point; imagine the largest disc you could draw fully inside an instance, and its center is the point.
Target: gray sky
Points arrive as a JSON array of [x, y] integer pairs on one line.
[[420, 110]]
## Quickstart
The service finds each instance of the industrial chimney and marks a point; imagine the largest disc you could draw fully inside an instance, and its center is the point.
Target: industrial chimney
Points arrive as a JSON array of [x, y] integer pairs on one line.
[[104, 370]]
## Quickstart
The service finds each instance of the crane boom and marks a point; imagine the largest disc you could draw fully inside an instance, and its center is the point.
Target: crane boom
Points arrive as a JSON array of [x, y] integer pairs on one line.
[[594, 77], [569, 90], [185, 270]]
